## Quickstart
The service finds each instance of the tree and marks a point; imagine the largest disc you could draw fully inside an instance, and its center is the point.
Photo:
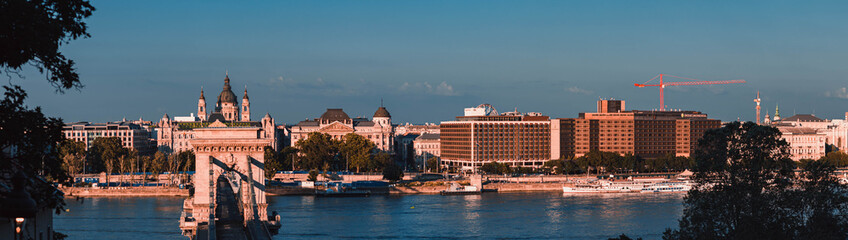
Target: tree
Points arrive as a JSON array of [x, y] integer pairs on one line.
[[158, 164], [495, 168], [316, 149], [746, 189], [33, 31], [73, 156], [554, 166], [313, 175], [357, 150], [392, 172], [107, 152], [836, 159], [272, 163], [433, 164], [381, 161]]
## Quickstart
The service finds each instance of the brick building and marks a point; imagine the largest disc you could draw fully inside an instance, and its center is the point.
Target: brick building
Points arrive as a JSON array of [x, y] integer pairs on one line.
[[648, 134]]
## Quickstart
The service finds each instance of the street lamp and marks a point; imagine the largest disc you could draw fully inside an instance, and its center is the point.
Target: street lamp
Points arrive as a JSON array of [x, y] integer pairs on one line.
[[18, 204]]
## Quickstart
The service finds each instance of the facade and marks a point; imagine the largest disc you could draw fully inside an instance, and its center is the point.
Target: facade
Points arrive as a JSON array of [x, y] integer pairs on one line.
[[426, 146], [337, 123], [175, 136], [133, 135], [804, 142], [483, 136], [835, 131], [648, 134]]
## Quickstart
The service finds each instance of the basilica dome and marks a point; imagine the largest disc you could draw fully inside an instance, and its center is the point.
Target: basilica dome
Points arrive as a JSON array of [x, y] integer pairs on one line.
[[227, 95]]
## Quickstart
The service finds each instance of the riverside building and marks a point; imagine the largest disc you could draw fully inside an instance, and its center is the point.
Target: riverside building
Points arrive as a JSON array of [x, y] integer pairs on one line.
[[134, 135], [648, 134], [482, 136], [337, 123]]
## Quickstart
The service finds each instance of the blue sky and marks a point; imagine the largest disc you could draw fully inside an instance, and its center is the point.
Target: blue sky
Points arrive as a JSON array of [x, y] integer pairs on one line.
[[430, 59]]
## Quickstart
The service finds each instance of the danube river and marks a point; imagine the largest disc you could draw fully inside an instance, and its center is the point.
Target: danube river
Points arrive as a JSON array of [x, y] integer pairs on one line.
[[496, 215]]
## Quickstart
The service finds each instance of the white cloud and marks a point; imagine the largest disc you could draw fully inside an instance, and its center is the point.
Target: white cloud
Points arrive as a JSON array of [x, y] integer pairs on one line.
[[838, 93], [578, 90], [443, 89]]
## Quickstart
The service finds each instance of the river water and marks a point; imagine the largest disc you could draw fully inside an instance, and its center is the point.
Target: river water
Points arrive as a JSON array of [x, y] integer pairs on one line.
[[497, 215]]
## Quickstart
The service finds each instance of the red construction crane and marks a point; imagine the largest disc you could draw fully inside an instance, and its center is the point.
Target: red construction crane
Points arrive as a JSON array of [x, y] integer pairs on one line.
[[662, 85]]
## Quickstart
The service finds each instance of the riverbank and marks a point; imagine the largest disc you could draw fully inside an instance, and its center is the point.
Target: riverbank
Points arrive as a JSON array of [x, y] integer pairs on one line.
[[125, 192]]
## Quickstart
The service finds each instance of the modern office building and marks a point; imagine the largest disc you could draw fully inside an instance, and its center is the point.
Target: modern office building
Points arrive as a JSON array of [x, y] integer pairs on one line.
[[648, 134], [133, 135], [483, 136]]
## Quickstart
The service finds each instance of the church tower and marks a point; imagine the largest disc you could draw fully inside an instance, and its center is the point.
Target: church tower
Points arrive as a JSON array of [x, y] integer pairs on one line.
[[776, 113], [227, 105], [245, 107], [201, 106]]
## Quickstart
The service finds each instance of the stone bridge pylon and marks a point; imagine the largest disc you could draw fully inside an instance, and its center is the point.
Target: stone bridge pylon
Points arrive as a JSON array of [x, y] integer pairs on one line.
[[236, 154]]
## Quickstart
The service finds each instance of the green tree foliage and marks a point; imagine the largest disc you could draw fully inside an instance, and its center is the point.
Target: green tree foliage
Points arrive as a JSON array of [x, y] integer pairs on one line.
[[33, 136], [357, 150], [837, 159], [392, 172], [433, 165], [669, 163], [273, 163], [317, 149], [33, 31], [158, 164], [186, 160], [73, 156], [496, 168], [286, 156], [381, 161], [106, 152], [313, 175], [746, 189]]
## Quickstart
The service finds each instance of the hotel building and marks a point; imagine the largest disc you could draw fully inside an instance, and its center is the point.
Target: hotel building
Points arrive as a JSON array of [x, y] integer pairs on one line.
[[482, 136], [133, 135], [648, 134]]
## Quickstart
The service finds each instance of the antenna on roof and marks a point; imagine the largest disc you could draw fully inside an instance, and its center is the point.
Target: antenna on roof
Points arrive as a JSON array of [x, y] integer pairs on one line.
[[381, 102]]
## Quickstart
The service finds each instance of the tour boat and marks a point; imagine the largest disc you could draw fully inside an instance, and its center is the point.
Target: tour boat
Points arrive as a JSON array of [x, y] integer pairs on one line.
[[604, 186], [456, 189], [663, 187]]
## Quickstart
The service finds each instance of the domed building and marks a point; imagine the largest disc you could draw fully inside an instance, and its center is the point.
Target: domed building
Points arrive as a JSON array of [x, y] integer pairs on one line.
[[337, 123], [174, 135]]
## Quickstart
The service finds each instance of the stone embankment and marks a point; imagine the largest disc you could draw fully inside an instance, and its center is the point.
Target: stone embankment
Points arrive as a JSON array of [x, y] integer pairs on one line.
[[125, 192]]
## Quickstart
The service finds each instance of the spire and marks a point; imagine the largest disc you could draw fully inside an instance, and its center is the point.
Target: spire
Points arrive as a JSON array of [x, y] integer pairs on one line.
[[201, 93], [245, 92], [777, 112], [227, 78]]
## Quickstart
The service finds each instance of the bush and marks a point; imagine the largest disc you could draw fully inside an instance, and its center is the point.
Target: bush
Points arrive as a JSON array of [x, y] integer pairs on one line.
[[313, 175], [392, 172]]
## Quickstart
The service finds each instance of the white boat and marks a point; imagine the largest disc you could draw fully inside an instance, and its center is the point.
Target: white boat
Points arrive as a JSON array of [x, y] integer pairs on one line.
[[604, 186], [456, 189], [663, 187]]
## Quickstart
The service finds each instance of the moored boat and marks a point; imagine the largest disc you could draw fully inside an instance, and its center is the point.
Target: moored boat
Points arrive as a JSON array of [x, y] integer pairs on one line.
[[665, 187], [456, 189]]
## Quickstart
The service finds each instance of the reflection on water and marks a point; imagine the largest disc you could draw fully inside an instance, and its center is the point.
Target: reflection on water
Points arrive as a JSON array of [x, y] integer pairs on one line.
[[121, 218], [504, 215], [501, 215]]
